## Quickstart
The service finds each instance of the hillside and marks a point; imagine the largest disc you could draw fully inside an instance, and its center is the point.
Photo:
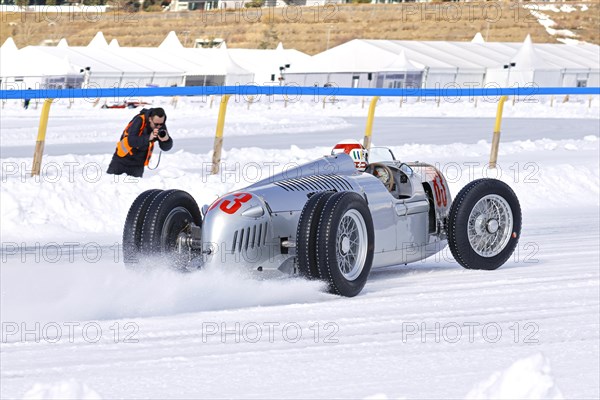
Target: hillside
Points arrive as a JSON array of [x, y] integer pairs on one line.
[[312, 29]]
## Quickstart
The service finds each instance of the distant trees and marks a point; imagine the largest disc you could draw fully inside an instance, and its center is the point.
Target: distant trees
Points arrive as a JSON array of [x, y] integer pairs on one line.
[[254, 4], [155, 5]]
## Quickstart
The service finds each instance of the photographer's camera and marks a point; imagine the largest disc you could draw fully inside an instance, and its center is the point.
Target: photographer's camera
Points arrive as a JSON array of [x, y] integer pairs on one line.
[[162, 132]]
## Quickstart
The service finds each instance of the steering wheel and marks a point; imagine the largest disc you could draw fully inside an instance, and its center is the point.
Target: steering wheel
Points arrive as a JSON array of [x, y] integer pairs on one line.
[[384, 174]]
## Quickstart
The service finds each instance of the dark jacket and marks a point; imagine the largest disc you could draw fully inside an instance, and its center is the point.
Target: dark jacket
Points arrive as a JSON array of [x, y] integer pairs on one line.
[[138, 136]]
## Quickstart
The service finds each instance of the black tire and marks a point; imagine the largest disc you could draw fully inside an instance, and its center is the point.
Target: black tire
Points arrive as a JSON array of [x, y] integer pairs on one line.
[[169, 214], [330, 239], [132, 231], [500, 228], [306, 235]]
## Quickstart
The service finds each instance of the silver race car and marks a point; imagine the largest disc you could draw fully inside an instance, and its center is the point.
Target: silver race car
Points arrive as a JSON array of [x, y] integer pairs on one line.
[[330, 221]]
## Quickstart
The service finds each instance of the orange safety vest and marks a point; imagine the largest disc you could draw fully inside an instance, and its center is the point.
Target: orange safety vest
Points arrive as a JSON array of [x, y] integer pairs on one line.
[[123, 147]]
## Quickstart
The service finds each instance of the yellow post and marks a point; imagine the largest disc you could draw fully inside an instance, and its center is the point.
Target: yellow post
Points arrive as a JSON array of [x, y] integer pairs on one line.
[[370, 118], [41, 138], [216, 158], [250, 100], [496, 137]]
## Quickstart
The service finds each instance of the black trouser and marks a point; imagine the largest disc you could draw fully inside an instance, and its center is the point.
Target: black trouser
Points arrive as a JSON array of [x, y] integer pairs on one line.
[[118, 168]]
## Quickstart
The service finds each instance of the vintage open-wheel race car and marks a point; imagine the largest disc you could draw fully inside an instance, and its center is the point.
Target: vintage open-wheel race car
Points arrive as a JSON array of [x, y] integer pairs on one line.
[[327, 220]]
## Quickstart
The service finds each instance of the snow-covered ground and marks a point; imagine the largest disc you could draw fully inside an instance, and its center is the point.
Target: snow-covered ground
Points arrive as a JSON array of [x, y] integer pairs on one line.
[[563, 35], [76, 324]]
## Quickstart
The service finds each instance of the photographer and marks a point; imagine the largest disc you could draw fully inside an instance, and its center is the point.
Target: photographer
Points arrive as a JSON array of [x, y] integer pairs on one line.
[[134, 149]]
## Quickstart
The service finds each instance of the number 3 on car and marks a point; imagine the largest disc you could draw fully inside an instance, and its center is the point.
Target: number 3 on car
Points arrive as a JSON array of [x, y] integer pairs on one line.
[[238, 199]]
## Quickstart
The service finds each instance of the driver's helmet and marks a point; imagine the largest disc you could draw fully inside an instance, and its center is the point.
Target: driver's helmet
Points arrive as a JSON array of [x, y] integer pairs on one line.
[[355, 150]]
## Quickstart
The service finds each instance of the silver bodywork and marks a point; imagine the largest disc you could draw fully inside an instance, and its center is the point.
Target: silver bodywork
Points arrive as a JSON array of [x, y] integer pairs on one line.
[[256, 227]]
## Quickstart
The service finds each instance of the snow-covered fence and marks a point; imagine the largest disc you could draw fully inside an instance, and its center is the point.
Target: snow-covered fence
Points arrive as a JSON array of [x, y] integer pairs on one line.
[[290, 91]]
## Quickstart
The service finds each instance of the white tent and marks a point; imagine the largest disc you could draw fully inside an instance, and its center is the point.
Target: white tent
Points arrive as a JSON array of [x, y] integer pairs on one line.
[[525, 68], [113, 66], [209, 67], [400, 73], [98, 41], [478, 38], [348, 65], [9, 65], [358, 63], [31, 68], [171, 42], [456, 64], [579, 65], [268, 65]]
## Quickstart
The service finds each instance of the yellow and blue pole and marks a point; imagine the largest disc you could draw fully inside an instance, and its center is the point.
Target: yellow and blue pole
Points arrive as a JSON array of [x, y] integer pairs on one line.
[[496, 137], [41, 138], [370, 118], [216, 158]]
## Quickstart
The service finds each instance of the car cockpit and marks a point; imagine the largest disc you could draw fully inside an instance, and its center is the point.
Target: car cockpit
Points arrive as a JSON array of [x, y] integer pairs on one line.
[[394, 174]]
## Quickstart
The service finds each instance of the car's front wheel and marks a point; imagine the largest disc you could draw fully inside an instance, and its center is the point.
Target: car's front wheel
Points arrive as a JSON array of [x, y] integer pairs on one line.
[[484, 224]]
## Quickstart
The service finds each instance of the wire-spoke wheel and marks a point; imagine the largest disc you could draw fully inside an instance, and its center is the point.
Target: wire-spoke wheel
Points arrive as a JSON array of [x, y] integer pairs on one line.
[[344, 243], [484, 224], [351, 244], [490, 225]]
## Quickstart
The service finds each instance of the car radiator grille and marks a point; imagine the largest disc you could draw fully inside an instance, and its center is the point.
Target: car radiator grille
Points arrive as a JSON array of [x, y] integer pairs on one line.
[[315, 183], [249, 238]]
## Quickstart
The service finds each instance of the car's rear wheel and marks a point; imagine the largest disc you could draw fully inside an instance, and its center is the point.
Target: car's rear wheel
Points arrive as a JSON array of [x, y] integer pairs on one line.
[[171, 230], [306, 235], [484, 224], [345, 243], [132, 231]]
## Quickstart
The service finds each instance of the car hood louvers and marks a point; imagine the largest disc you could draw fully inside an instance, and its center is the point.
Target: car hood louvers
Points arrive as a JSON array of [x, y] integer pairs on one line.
[[315, 183]]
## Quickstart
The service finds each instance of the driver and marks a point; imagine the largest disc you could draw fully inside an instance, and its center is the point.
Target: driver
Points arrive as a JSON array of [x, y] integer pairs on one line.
[[355, 150]]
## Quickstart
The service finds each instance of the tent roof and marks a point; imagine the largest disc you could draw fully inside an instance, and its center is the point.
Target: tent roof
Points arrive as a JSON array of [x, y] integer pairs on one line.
[[478, 38], [267, 60], [527, 58], [26, 62], [9, 45], [355, 56], [171, 42], [401, 63], [98, 41]]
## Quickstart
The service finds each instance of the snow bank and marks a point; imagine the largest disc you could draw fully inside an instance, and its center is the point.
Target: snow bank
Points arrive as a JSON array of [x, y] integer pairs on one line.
[[74, 199], [64, 390], [528, 378]]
